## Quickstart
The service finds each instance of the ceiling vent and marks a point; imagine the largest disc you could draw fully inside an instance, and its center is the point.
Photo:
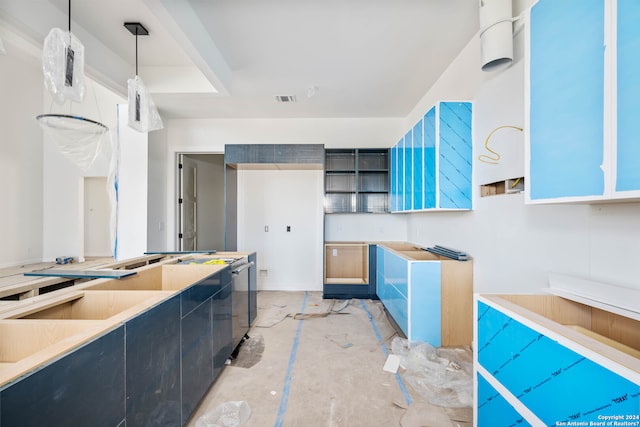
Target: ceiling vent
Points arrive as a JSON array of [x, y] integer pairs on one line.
[[285, 98]]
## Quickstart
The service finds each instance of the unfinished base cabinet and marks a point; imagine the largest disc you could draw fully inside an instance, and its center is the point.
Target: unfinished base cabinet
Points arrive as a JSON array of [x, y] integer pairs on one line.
[[544, 360], [349, 270], [428, 296]]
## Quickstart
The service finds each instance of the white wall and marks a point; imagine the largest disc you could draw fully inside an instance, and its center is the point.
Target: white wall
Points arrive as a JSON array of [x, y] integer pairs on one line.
[[63, 230], [132, 188], [157, 185], [210, 136], [277, 199], [20, 155], [515, 246]]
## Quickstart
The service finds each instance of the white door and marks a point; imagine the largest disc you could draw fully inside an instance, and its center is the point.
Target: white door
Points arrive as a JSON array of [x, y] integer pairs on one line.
[[97, 211], [187, 203], [280, 216]]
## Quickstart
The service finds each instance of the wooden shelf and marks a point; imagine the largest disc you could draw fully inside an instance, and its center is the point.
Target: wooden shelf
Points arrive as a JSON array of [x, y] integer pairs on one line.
[[345, 281], [346, 263]]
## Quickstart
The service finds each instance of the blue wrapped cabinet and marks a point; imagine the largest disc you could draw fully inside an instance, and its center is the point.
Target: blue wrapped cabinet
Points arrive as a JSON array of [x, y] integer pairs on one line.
[[545, 360], [428, 296]]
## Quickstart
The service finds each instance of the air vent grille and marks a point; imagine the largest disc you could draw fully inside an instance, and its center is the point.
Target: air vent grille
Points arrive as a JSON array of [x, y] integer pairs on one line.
[[285, 98]]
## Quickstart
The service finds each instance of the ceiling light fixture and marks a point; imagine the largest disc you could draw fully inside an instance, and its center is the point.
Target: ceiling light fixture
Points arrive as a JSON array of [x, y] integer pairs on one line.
[[143, 114], [496, 34], [78, 138]]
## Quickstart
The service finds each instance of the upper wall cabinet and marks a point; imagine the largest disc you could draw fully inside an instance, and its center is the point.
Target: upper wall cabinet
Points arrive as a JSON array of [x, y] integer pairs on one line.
[[431, 165], [583, 97], [356, 180]]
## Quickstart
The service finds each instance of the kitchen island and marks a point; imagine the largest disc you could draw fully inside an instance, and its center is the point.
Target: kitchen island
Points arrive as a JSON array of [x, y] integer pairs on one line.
[[143, 349]]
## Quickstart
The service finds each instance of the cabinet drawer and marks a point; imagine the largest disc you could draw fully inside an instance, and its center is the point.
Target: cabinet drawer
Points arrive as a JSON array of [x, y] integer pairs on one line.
[[203, 290], [396, 304]]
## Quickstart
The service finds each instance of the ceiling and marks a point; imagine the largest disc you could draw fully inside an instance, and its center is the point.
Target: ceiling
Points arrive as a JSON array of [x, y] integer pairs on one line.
[[231, 58]]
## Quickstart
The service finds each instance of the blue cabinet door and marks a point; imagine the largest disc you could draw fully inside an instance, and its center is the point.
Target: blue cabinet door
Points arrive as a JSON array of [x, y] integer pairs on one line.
[[393, 178], [197, 357], [418, 161], [392, 282], [153, 365], [401, 183], [429, 153], [424, 299], [566, 127], [222, 322], [455, 154], [408, 171], [628, 143]]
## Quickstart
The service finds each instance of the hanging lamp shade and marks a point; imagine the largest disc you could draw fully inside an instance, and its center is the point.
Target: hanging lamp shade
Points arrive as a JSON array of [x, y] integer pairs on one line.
[[143, 114], [78, 138], [63, 66]]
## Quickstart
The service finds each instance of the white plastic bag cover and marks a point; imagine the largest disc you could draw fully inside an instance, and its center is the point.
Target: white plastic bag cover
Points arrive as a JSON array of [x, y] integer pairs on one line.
[[63, 66], [229, 414], [143, 114], [77, 138]]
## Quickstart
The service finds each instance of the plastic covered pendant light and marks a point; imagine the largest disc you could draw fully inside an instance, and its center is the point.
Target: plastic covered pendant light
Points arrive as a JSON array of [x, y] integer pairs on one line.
[[79, 139], [63, 66], [143, 114]]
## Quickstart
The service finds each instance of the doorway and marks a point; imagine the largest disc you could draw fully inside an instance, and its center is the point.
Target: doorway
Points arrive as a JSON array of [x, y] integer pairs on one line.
[[200, 202], [97, 240]]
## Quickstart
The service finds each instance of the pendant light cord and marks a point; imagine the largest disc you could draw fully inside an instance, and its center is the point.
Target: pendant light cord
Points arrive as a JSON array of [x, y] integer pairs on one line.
[[136, 50], [69, 15]]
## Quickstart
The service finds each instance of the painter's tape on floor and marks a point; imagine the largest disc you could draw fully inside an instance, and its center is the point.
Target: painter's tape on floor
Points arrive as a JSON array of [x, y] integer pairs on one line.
[[292, 358], [403, 388]]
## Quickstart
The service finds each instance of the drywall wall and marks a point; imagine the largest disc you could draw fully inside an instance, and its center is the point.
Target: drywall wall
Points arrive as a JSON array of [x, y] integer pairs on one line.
[[132, 188], [20, 155], [63, 226], [157, 183], [278, 216], [210, 136], [515, 246]]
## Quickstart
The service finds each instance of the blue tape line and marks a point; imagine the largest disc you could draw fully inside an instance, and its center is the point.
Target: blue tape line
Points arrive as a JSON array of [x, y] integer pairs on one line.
[[403, 388], [287, 380]]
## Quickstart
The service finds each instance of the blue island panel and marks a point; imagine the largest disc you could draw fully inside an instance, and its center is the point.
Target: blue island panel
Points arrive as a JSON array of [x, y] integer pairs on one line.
[[554, 382], [566, 98], [628, 172], [153, 366], [83, 388]]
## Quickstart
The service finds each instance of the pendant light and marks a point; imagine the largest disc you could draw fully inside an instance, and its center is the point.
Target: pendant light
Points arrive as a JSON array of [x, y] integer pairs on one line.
[[143, 114], [78, 138]]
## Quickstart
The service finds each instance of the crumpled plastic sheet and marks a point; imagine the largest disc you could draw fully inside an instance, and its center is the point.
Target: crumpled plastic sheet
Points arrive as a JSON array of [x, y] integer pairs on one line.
[[228, 414], [439, 376]]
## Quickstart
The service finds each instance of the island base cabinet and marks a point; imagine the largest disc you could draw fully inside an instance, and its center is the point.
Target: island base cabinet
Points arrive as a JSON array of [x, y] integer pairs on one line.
[[153, 366], [84, 388]]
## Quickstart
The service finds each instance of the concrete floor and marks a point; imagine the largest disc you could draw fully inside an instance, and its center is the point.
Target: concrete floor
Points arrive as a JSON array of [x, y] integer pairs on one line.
[[321, 371]]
